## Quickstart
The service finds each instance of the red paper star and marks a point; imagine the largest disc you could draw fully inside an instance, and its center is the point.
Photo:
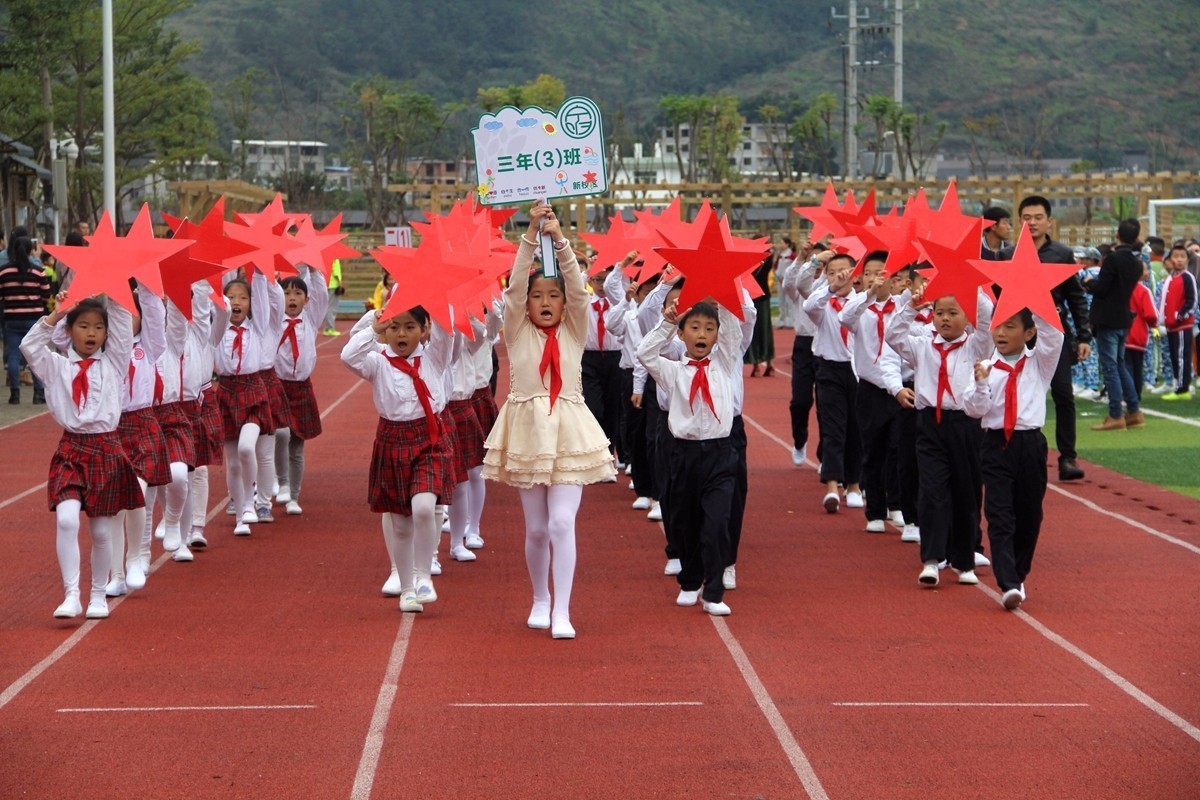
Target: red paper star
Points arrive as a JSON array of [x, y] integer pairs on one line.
[[420, 280], [1026, 282], [101, 268], [823, 224], [956, 273], [266, 234], [948, 224], [320, 248], [612, 247], [212, 245], [712, 268], [897, 235]]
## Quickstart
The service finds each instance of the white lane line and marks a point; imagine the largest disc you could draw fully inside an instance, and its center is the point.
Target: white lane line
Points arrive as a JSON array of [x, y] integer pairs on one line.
[[345, 394], [364, 778], [961, 705], [577, 705], [149, 709], [23, 494], [1150, 412], [754, 423], [1120, 682], [791, 748], [1133, 523], [75, 638], [20, 421]]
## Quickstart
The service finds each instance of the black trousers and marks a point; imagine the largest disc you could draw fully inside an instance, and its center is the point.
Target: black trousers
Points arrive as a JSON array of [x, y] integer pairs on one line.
[[877, 413], [1063, 394], [949, 491], [908, 467], [1180, 344], [741, 486], [837, 420], [653, 414], [664, 460], [701, 493], [637, 447], [1135, 360], [601, 371], [804, 377], [1014, 480]]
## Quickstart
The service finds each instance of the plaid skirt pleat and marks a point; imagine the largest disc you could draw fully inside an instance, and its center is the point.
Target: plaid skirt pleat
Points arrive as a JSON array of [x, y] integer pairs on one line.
[[302, 401], [176, 421], [145, 444], [93, 469], [277, 400], [405, 463], [244, 400], [208, 432], [468, 441], [485, 409]]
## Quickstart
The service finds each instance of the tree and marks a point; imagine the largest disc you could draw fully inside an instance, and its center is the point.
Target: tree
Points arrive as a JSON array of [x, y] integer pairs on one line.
[[239, 101], [684, 114], [813, 135], [916, 143], [981, 133], [712, 127], [545, 91], [779, 140], [886, 114]]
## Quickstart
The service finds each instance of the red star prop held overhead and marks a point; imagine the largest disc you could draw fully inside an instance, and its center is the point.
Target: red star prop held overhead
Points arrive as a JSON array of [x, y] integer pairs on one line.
[[421, 279], [823, 223], [713, 267], [612, 247], [211, 246], [956, 274], [897, 235], [1026, 282], [271, 244], [319, 249]]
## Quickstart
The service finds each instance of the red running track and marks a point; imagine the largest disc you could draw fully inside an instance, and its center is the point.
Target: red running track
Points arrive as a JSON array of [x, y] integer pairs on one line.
[[271, 666]]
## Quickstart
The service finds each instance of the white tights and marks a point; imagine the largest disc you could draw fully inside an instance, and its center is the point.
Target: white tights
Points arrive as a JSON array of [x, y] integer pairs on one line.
[[264, 450], [67, 544], [241, 466], [176, 495], [466, 506], [198, 494], [550, 528], [478, 496], [127, 548], [412, 541]]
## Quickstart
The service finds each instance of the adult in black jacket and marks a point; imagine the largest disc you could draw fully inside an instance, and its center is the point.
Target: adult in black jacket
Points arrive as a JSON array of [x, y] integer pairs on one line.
[[1034, 212], [1111, 289]]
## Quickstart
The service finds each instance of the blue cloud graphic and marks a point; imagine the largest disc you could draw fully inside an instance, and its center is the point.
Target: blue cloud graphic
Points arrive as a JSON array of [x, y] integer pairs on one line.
[[493, 126], [526, 122]]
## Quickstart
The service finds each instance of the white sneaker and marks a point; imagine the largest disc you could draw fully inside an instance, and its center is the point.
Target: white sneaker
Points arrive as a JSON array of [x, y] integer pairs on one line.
[[642, 504], [294, 509], [629, 469], [228, 510], [968, 577], [655, 514], [687, 598], [249, 517], [717, 609], [609, 479], [182, 554], [561, 628], [981, 560], [97, 608], [460, 553], [196, 538], [408, 602], [135, 576], [631, 486], [1012, 599], [69, 608], [831, 502], [474, 541], [539, 616], [115, 588], [674, 567], [275, 487], [799, 456], [241, 529], [943, 564], [144, 563], [446, 521], [897, 518], [1024, 596], [435, 566], [929, 574], [729, 577], [854, 500], [284, 495], [172, 540], [425, 591], [911, 533], [876, 526], [160, 530], [392, 587]]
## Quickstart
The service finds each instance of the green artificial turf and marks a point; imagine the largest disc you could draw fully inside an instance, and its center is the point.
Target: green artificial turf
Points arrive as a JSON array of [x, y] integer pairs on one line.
[[1166, 452]]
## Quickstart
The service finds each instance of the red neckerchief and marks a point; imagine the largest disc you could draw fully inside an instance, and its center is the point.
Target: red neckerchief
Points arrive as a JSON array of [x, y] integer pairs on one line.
[[551, 361], [601, 306], [236, 347], [924, 318], [1010, 394], [700, 386], [130, 376], [289, 335], [944, 349], [838, 303], [158, 388], [80, 386], [880, 313], [413, 371]]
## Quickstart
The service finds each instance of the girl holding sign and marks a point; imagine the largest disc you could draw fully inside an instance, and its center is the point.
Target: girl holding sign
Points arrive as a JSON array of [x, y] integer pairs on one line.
[[545, 441]]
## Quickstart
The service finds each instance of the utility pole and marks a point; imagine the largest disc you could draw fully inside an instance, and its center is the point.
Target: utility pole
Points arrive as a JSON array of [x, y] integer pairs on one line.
[[898, 53]]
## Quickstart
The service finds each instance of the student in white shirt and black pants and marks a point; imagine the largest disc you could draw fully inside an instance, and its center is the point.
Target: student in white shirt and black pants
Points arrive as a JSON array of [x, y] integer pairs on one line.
[[602, 379]]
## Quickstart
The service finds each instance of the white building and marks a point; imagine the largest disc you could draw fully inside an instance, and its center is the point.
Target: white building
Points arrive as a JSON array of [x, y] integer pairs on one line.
[[763, 147], [271, 158]]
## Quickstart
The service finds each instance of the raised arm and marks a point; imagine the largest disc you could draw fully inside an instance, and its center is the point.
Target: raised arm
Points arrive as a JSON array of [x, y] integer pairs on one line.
[[318, 298], [154, 326], [650, 354], [897, 332], [1049, 346], [118, 348], [356, 353], [575, 313], [729, 341], [980, 345], [516, 294]]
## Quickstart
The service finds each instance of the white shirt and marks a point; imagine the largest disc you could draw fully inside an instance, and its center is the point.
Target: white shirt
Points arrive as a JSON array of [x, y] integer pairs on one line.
[[612, 342], [920, 350], [307, 327], [197, 351], [831, 341], [255, 329], [266, 356], [101, 408], [394, 392], [798, 279], [984, 399], [697, 421], [874, 360]]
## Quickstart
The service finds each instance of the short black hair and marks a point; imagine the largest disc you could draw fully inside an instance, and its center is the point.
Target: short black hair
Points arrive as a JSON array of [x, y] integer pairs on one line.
[[996, 213], [701, 309], [1128, 231], [418, 313], [1036, 200], [841, 257], [75, 239], [294, 282], [84, 305], [875, 255], [249, 292], [558, 278]]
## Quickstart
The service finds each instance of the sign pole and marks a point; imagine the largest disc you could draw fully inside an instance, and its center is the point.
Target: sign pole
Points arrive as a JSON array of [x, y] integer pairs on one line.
[[549, 262]]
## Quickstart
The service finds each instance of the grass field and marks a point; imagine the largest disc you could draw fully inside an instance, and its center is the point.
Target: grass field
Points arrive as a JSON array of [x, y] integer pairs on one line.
[[1166, 452]]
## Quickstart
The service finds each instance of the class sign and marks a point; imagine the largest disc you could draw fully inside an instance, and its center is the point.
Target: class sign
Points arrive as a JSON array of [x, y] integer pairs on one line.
[[524, 155]]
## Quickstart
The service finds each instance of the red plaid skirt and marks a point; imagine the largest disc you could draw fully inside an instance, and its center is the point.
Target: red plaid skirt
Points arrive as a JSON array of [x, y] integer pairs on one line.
[[468, 442], [144, 442], [277, 400], [306, 417], [244, 400], [176, 421], [93, 469], [485, 409], [405, 463], [208, 432]]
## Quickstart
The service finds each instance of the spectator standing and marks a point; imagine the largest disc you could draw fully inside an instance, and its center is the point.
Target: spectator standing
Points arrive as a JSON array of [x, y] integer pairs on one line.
[[1111, 291], [24, 291]]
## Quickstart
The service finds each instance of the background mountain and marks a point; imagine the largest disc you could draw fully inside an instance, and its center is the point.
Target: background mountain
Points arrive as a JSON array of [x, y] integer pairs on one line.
[[1077, 78]]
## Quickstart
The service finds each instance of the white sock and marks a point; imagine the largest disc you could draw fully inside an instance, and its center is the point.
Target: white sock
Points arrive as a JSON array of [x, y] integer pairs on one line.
[[176, 494], [265, 452], [103, 530], [66, 543], [478, 495], [402, 549], [426, 532], [459, 512], [198, 495]]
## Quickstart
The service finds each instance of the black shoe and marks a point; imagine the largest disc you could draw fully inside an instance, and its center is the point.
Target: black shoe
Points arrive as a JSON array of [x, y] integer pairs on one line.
[[1068, 470], [39, 397], [14, 397]]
